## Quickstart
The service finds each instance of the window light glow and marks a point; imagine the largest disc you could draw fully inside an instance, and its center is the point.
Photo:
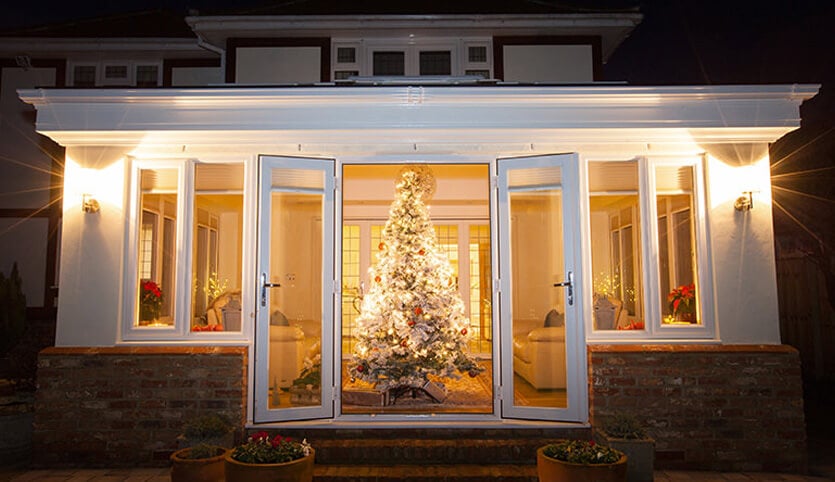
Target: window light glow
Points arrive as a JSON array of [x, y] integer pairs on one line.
[[103, 185]]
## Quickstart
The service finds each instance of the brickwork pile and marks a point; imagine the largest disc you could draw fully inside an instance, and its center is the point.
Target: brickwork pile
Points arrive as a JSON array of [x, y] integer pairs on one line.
[[709, 407], [125, 406]]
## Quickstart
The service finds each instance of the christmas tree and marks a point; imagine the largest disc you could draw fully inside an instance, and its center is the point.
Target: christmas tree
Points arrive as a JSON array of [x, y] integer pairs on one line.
[[412, 322]]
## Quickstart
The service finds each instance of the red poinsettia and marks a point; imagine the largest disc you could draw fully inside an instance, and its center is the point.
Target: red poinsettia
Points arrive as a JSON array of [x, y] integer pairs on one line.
[[150, 300], [682, 299]]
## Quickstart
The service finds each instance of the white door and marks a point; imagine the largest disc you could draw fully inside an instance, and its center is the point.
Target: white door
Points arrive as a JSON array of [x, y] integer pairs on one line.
[[294, 318], [542, 351]]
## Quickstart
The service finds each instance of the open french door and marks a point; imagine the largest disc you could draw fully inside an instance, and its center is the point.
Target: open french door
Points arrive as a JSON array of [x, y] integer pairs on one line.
[[542, 350], [293, 377]]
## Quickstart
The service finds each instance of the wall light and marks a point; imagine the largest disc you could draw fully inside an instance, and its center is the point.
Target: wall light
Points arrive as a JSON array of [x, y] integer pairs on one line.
[[745, 202], [89, 204]]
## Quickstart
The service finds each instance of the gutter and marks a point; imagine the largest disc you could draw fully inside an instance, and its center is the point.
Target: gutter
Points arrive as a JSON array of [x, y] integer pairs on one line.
[[203, 43]]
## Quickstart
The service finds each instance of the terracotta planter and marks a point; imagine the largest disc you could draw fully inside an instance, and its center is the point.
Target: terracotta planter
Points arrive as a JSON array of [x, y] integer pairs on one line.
[[197, 470], [300, 470], [553, 470]]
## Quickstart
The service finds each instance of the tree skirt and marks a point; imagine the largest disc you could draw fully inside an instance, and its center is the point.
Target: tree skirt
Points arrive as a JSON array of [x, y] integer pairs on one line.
[[466, 394]]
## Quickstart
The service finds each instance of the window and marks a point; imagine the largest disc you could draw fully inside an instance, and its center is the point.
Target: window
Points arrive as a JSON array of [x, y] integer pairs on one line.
[[623, 293], [477, 54], [436, 62], [147, 75], [157, 253], [345, 74], [677, 275], [346, 55], [84, 76], [616, 242], [389, 63], [217, 247]]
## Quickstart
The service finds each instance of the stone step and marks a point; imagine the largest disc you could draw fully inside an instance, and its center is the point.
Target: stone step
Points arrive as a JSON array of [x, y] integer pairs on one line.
[[442, 446], [425, 473], [417, 451]]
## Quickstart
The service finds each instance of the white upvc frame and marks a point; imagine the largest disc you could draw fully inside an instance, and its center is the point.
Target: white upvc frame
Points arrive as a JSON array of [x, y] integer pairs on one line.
[[654, 330], [180, 331], [101, 66], [411, 51]]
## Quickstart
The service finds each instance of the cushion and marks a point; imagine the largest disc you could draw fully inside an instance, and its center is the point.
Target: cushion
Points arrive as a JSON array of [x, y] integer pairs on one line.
[[553, 319], [278, 319]]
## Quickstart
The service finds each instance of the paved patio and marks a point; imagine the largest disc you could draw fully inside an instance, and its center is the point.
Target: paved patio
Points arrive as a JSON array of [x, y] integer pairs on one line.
[[161, 475]]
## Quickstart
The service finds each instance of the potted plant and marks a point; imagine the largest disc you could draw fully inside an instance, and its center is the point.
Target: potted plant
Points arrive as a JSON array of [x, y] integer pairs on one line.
[[204, 442], [683, 303], [623, 432], [208, 429], [263, 458], [200, 463], [150, 301], [580, 461]]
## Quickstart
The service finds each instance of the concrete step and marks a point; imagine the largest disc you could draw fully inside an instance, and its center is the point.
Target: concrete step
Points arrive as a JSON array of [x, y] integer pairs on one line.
[[425, 473]]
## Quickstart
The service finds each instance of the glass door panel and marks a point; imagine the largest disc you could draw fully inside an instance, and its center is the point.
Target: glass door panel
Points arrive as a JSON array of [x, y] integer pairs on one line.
[[294, 378], [539, 284]]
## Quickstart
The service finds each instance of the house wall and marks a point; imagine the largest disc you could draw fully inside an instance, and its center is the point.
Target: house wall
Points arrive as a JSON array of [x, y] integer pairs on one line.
[[126, 406], [194, 76], [721, 408], [548, 63], [742, 246], [278, 65]]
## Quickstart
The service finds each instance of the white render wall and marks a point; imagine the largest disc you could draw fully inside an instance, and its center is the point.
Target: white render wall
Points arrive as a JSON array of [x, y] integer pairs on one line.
[[412, 124]]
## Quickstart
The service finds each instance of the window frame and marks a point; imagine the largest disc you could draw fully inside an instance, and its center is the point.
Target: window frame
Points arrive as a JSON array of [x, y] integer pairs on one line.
[[180, 330], [654, 330]]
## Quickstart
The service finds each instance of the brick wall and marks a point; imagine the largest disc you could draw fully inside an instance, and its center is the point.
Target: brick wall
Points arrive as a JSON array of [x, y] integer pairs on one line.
[[125, 406], [709, 407]]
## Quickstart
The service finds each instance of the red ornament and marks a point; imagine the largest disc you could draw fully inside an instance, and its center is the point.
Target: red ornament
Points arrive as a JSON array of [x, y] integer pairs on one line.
[[381, 246], [421, 252], [360, 368], [404, 343], [464, 331], [418, 310], [473, 373], [411, 323], [377, 279]]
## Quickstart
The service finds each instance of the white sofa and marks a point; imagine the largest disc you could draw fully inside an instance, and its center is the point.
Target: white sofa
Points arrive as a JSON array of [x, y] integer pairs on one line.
[[539, 353], [286, 355]]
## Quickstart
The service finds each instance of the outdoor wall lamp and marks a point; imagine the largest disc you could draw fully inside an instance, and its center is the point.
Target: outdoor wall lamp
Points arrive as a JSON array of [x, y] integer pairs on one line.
[[89, 204], [745, 202]]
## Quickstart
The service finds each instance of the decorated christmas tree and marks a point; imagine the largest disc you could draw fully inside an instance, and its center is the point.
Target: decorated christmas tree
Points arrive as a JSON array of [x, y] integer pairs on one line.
[[412, 322]]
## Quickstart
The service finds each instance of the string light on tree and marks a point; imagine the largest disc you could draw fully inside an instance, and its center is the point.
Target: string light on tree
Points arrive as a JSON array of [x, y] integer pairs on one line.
[[412, 322]]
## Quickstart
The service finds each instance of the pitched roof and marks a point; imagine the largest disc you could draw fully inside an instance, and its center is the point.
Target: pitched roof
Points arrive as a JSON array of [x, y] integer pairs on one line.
[[142, 24]]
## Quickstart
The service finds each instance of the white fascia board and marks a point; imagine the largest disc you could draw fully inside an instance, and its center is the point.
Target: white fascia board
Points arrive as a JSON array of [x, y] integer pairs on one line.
[[74, 46], [419, 114]]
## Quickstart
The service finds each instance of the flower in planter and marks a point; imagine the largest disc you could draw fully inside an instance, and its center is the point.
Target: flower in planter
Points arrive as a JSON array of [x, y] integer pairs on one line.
[[150, 300], [261, 449], [683, 300], [585, 452]]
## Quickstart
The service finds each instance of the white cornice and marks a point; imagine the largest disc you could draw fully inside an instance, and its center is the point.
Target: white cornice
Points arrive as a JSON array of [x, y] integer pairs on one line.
[[418, 116]]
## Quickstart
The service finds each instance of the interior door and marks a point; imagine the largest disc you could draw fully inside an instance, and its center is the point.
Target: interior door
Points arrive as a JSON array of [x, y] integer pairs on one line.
[[542, 351], [294, 318]]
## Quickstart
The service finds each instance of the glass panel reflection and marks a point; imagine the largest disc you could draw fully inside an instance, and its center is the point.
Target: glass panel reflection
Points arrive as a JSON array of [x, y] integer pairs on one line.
[[538, 309], [295, 349]]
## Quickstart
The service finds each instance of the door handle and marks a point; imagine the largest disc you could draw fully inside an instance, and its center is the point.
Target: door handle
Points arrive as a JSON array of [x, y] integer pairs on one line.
[[264, 285], [569, 283]]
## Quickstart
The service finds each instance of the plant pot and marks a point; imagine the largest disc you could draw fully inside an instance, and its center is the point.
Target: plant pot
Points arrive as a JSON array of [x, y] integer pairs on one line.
[[300, 470], [184, 469], [553, 470], [640, 455]]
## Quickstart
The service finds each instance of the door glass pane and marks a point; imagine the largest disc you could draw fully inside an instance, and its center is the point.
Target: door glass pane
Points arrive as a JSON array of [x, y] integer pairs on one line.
[[538, 308], [217, 247], [614, 219], [677, 256], [157, 248], [295, 348]]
